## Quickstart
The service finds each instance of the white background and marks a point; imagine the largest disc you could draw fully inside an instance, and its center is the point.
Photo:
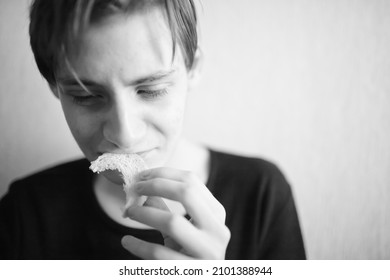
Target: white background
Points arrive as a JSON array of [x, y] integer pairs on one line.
[[304, 83], [280, 270]]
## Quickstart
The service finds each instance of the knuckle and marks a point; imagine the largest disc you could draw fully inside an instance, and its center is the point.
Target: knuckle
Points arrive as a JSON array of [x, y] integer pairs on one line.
[[226, 234], [189, 176], [173, 223], [186, 193], [154, 183], [222, 212]]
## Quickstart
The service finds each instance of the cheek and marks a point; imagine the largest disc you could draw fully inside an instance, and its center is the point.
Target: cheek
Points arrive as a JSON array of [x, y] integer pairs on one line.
[[176, 119], [172, 116], [169, 121], [84, 128]]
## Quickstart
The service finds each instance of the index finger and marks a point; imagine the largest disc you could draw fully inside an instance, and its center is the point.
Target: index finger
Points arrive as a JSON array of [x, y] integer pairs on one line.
[[185, 177]]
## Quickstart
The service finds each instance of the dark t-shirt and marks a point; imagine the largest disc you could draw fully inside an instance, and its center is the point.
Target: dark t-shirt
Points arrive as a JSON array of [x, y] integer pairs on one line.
[[54, 214]]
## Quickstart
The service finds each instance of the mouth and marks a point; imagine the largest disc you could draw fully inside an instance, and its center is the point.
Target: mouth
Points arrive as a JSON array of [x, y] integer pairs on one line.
[[144, 153]]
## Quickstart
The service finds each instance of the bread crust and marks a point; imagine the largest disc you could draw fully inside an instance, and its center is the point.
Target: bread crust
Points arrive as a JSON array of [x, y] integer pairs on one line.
[[128, 165]]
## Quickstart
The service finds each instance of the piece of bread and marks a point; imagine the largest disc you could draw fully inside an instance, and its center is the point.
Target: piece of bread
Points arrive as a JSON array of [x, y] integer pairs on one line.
[[128, 165]]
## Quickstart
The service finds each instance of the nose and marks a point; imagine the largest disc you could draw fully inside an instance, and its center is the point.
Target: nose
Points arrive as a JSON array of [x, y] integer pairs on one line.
[[124, 126]]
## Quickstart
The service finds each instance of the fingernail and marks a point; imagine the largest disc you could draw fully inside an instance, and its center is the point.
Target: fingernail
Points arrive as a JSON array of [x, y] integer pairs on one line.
[[126, 240], [130, 211]]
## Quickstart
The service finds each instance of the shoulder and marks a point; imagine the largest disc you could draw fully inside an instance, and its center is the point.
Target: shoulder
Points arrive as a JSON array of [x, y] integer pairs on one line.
[[248, 175], [52, 179], [241, 163], [260, 209], [41, 205], [252, 168], [66, 169]]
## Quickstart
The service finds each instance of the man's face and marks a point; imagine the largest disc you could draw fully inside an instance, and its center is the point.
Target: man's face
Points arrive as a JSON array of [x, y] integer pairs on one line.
[[136, 97]]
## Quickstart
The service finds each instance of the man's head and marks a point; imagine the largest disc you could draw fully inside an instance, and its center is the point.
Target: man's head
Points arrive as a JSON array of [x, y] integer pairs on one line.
[[121, 70]]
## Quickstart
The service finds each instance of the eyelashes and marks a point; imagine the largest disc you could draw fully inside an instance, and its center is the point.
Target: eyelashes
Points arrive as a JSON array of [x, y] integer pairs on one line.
[[152, 94], [83, 98]]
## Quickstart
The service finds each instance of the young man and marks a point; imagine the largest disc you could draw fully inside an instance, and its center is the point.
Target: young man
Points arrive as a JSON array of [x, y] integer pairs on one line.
[[122, 71]]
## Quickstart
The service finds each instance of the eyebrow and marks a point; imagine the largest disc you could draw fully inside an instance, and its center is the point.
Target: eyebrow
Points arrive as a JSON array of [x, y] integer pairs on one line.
[[155, 77], [144, 80]]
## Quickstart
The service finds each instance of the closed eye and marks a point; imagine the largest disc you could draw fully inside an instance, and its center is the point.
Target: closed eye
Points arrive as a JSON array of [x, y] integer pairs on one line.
[[81, 97], [84, 100], [152, 94]]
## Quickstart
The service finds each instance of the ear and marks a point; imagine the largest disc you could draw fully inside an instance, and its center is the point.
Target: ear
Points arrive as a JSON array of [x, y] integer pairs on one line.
[[195, 72]]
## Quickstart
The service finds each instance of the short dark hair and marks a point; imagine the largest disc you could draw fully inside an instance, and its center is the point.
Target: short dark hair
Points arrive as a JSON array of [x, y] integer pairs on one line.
[[54, 24]]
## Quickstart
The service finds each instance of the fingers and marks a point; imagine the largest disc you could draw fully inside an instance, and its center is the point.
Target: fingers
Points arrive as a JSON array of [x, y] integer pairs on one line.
[[174, 226], [205, 236], [182, 186], [174, 175], [150, 251], [156, 202], [188, 196]]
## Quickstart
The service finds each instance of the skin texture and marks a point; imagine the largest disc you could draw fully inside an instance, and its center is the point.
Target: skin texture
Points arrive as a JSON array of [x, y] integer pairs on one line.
[[203, 237], [135, 103], [124, 116]]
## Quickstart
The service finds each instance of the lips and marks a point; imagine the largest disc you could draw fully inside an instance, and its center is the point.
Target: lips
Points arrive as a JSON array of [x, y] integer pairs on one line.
[[141, 153], [144, 153]]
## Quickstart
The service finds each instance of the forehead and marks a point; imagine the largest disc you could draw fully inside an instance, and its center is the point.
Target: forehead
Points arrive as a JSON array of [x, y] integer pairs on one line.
[[125, 45]]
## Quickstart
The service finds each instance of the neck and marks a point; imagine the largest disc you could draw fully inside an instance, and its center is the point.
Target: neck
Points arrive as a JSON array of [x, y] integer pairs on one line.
[[190, 156]]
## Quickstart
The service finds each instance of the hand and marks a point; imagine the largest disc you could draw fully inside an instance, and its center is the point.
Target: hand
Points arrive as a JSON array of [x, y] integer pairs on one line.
[[205, 236]]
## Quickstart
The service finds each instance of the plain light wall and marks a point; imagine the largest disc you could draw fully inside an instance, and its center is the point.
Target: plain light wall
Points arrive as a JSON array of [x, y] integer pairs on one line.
[[305, 84]]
